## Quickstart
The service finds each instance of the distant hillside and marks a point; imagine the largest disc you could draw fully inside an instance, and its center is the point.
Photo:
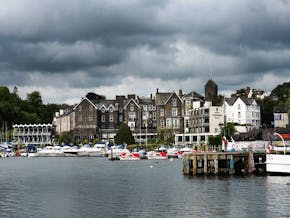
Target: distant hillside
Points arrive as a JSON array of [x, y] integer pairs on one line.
[[282, 92]]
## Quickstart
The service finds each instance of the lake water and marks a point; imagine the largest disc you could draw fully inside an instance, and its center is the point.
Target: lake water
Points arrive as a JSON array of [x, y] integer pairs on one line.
[[97, 187]]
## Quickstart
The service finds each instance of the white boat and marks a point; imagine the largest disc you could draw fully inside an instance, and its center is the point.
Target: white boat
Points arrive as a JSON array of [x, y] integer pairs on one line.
[[277, 162], [96, 151], [172, 152], [51, 151], [116, 151], [130, 156], [154, 155], [69, 151]]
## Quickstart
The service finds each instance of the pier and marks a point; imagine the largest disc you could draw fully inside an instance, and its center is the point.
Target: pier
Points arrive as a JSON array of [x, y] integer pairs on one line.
[[224, 163]]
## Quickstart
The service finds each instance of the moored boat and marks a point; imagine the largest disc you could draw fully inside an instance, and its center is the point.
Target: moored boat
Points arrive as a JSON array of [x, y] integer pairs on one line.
[[130, 156], [154, 155], [277, 162], [51, 151]]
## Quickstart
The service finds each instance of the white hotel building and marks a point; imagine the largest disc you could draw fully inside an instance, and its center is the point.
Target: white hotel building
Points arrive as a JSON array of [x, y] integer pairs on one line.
[[204, 121], [36, 134], [242, 110]]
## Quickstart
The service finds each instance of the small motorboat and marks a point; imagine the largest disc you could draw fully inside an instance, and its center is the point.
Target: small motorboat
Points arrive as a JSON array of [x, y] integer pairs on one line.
[[154, 155], [130, 156]]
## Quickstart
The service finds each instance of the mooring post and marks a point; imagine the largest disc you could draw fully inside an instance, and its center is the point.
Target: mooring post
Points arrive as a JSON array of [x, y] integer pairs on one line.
[[216, 165], [251, 164], [185, 166], [232, 164], [194, 164], [205, 164]]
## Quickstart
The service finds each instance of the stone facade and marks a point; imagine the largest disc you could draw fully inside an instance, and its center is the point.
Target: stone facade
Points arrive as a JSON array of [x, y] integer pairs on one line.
[[210, 90], [169, 108]]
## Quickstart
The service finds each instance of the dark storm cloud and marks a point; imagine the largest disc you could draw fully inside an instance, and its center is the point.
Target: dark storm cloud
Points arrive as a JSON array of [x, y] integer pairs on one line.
[[99, 42]]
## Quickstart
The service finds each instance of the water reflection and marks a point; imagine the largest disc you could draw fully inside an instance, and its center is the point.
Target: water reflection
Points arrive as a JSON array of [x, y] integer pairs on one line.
[[96, 187]]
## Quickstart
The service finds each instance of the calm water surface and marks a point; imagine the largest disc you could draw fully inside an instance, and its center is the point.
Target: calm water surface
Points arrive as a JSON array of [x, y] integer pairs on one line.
[[97, 187]]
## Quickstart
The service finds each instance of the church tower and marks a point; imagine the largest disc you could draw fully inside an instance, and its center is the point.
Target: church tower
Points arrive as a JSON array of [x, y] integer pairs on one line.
[[210, 90]]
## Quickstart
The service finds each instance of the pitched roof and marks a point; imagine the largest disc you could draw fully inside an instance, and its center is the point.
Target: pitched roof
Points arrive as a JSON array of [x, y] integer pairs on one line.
[[161, 98], [83, 99], [232, 100], [146, 101], [193, 94], [132, 100]]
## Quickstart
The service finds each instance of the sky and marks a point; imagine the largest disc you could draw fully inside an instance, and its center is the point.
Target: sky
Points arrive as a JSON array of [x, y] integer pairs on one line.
[[64, 49]]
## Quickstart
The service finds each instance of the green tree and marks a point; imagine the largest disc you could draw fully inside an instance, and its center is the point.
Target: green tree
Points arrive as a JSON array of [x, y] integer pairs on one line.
[[34, 98], [215, 140], [124, 135], [228, 130], [64, 137]]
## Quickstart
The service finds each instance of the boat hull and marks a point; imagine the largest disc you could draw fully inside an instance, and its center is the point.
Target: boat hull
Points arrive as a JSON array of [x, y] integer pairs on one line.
[[278, 163]]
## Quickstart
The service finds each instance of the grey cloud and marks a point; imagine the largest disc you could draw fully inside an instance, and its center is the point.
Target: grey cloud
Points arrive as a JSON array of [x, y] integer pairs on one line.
[[98, 42]]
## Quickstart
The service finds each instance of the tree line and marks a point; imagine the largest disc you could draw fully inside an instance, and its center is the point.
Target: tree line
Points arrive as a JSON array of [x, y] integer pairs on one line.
[[14, 110]]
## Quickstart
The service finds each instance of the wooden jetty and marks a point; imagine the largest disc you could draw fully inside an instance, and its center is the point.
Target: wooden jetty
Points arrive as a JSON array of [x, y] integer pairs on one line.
[[224, 163]]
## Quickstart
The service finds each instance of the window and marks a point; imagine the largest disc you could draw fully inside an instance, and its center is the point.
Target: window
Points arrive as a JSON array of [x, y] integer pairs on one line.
[[111, 118], [173, 102], [175, 123], [131, 107], [120, 110], [103, 118], [145, 107], [132, 115], [168, 123], [103, 110], [239, 114], [239, 107], [111, 109], [162, 123], [161, 112], [174, 112], [121, 118], [154, 115], [145, 115], [80, 118], [80, 108]]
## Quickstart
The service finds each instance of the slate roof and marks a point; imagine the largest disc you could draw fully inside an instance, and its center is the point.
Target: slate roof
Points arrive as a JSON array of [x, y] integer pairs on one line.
[[193, 94], [232, 100], [161, 98]]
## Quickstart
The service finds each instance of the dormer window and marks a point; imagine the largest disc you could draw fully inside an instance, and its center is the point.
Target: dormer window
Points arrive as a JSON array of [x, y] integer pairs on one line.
[[103, 110], [111, 109]]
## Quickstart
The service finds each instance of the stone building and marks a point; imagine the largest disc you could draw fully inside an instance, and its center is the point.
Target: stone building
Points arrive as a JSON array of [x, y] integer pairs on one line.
[[169, 108], [211, 90], [191, 100], [140, 116]]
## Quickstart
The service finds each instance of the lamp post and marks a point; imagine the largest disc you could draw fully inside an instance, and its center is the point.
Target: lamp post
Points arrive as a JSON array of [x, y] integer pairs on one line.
[[140, 126], [146, 124]]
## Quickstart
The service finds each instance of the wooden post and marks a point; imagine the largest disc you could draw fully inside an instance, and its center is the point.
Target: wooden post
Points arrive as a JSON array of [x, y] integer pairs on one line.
[[251, 164], [194, 164], [205, 164], [216, 165], [232, 164]]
